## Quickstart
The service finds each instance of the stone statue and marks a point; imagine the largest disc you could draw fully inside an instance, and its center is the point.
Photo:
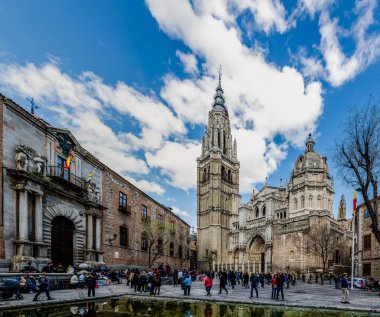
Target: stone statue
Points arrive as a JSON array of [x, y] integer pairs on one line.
[[28, 160], [92, 193]]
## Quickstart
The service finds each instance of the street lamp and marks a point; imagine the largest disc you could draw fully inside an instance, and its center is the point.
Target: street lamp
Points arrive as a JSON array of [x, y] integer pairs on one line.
[[353, 238]]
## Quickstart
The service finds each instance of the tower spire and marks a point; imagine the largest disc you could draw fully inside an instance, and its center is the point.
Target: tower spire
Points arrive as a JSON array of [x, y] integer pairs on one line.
[[309, 144], [219, 100]]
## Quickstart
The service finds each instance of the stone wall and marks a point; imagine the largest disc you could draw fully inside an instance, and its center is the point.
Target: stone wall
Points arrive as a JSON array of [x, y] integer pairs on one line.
[[2, 245]]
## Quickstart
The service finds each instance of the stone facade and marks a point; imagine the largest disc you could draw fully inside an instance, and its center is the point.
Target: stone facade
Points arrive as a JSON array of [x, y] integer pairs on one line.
[[367, 249], [128, 222], [269, 232], [72, 214]]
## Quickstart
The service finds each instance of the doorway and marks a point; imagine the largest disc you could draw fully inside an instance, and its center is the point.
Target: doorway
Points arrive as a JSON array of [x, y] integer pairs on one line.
[[62, 240]]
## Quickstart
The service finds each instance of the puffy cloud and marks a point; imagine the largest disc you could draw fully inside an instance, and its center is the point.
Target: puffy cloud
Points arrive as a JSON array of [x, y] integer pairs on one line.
[[189, 61], [177, 162], [146, 186], [181, 213]]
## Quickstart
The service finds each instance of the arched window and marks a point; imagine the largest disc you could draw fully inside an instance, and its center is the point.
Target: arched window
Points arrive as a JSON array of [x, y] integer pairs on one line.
[[280, 215], [257, 212], [229, 175], [319, 202], [302, 202], [180, 253], [223, 172], [310, 201], [171, 248], [295, 204], [264, 211], [285, 214]]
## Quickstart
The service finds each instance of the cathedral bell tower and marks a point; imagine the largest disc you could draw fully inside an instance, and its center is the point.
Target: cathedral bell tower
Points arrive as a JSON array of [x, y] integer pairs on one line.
[[217, 186]]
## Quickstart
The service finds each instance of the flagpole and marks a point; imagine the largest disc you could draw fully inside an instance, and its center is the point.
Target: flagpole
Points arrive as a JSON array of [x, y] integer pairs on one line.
[[353, 251]]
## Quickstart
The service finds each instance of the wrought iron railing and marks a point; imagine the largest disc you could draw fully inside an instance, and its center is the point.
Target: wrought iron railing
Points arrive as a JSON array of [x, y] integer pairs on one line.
[[125, 209], [64, 174]]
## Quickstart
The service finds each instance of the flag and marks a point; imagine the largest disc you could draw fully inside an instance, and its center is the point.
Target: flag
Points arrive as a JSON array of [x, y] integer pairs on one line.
[[91, 174], [68, 161], [354, 201]]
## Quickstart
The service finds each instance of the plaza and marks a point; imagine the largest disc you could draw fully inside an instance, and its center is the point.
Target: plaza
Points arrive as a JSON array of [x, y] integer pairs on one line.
[[301, 295]]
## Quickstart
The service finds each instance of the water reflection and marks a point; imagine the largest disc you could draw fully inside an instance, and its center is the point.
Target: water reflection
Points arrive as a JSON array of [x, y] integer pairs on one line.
[[163, 308]]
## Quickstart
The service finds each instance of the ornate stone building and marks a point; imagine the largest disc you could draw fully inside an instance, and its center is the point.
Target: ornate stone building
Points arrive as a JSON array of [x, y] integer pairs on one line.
[[82, 213], [269, 232]]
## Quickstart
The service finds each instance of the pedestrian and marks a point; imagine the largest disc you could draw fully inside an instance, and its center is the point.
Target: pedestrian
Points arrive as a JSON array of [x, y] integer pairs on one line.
[[344, 286], [280, 285], [175, 278], [254, 279], [91, 283], [222, 283], [208, 284], [274, 286], [157, 283], [43, 287], [187, 285]]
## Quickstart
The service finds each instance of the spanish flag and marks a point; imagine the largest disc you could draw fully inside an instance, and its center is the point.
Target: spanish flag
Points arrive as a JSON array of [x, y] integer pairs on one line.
[[354, 201], [68, 161]]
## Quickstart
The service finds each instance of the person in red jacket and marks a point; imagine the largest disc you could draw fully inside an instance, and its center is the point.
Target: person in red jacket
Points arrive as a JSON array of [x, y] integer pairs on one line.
[[208, 284]]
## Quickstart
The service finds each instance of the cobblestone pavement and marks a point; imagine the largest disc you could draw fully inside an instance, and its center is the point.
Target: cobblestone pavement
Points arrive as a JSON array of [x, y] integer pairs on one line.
[[301, 295]]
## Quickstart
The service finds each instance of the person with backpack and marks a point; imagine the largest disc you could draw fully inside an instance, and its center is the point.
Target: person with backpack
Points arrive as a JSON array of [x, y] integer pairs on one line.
[[254, 279], [222, 282], [43, 287], [187, 285]]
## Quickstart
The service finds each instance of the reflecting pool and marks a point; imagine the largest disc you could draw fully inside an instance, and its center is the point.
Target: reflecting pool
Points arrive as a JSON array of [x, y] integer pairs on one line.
[[163, 308]]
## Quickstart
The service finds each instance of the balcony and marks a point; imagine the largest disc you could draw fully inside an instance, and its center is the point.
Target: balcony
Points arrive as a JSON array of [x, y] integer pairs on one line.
[[61, 175], [125, 210]]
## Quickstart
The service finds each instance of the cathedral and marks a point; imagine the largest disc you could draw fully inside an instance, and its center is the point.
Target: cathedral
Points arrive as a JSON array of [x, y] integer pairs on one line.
[[269, 232]]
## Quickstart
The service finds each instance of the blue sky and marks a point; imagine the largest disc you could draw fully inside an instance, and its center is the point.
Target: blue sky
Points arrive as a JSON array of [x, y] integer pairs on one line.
[[134, 80]]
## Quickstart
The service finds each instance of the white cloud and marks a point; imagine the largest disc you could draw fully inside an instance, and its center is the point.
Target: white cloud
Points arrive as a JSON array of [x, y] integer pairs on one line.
[[176, 161], [179, 212], [146, 186], [272, 100], [189, 61]]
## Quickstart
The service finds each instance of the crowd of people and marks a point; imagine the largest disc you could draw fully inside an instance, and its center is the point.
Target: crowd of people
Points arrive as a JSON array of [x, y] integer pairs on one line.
[[150, 280]]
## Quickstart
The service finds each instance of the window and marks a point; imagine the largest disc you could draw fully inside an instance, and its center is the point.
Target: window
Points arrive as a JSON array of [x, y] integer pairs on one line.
[[367, 269], [180, 253], [302, 202], [124, 236], [144, 241], [160, 248], [171, 249], [264, 211], [144, 212], [367, 242], [122, 200], [257, 212], [295, 203], [206, 252]]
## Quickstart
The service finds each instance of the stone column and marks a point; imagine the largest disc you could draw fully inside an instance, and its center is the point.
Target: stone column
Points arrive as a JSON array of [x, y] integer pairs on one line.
[[23, 215], [90, 242], [38, 218], [98, 234]]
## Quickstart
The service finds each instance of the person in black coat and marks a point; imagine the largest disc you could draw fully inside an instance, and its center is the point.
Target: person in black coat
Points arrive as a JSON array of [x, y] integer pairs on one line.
[[91, 283], [43, 287]]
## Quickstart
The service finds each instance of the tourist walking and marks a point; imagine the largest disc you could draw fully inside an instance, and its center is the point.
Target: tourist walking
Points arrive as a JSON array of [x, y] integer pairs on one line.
[[344, 286], [91, 284], [187, 285], [208, 284], [157, 283], [175, 278], [43, 287], [274, 286], [222, 283], [280, 285], [254, 279]]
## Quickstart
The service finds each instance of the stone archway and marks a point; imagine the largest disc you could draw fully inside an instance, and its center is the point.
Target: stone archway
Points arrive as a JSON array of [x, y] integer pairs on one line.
[[79, 234], [256, 254]]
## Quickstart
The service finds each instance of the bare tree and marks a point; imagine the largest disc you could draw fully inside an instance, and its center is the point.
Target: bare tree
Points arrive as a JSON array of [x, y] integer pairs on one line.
[[322, 241], [157, 238], [357, 156]]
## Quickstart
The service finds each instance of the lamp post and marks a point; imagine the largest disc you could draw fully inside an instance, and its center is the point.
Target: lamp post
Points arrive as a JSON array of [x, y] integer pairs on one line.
[[353, 238]]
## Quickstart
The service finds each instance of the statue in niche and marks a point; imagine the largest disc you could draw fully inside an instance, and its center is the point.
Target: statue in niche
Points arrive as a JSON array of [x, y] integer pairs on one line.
[[28, 160]]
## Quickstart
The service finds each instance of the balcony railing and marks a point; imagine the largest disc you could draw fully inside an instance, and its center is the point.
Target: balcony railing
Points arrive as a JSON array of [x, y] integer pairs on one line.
[[125, 209], [64, 175]]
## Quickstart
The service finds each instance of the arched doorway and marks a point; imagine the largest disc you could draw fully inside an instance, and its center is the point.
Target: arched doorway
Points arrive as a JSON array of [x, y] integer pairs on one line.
[[257, 254], [62, 241]]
